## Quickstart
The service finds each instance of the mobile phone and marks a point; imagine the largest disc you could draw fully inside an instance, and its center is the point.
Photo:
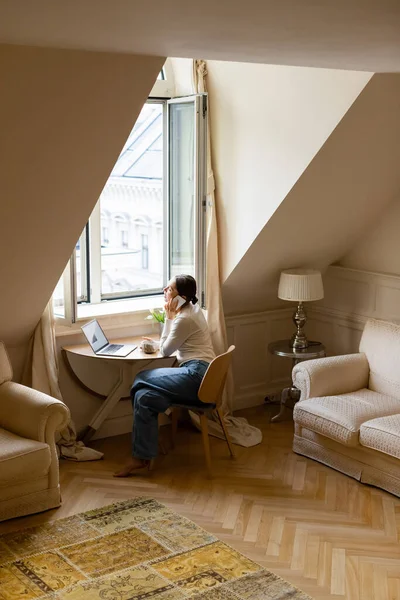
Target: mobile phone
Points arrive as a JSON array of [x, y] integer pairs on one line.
[[179, 301]]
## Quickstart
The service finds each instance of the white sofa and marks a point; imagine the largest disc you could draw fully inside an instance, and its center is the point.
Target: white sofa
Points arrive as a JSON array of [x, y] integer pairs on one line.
[[348, 415], [29, 475]]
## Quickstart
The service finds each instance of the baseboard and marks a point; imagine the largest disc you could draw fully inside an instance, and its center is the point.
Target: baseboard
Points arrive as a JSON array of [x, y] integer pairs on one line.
[[257, 398], [242, 402]]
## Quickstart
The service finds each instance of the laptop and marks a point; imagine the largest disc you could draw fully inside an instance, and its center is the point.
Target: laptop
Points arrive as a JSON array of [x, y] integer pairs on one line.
[[100, 344]]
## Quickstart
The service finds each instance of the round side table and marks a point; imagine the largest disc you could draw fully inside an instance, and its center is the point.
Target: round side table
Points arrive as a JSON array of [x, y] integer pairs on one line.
[[291, 395]]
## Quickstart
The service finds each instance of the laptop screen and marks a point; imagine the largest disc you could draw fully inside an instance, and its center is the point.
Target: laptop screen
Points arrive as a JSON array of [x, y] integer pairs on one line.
[[94, 335]]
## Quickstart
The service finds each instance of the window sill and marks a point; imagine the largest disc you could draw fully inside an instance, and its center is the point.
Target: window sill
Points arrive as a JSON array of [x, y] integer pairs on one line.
[[115, 315], [118, 307]]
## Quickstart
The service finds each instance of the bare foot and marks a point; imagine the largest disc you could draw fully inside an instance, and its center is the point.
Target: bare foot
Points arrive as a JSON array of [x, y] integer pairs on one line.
[[134, 464]]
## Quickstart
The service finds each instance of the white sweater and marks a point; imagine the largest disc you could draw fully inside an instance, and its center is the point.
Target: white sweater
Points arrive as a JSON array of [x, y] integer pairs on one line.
[[187, 335]]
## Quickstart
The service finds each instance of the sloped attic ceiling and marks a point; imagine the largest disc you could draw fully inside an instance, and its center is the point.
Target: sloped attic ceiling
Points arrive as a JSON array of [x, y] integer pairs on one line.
[[351, 179], [346, 34], [57, 110]]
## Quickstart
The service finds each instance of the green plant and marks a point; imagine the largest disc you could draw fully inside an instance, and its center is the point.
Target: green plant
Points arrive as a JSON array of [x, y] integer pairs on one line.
[[156, 314]]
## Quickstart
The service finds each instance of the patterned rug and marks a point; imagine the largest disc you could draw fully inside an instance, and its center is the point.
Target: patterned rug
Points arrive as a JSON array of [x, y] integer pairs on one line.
[[131, 550]]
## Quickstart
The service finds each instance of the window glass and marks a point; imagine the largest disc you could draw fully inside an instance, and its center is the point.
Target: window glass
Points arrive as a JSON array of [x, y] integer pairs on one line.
[[131, 206], [182, 191]]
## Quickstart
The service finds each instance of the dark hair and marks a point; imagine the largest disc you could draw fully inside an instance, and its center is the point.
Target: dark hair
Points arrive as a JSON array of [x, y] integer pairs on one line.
[[186, 286]]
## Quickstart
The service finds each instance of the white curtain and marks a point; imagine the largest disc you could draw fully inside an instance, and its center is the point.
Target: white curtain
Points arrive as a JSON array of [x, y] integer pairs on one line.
[[241, 432], [43, 373]]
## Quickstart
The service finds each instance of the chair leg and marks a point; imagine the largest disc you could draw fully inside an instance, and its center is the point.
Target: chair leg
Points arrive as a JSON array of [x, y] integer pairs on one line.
[[206, 441], [225, 430], [174, 425]]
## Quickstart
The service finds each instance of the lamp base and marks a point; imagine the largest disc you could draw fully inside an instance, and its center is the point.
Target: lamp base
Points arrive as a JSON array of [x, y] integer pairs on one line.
[[299, 340]]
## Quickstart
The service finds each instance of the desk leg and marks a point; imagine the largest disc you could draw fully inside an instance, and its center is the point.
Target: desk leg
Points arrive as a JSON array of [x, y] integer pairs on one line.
[[109, 403]]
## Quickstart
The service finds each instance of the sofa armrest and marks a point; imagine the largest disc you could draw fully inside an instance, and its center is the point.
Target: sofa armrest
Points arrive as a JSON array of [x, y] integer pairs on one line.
[[31, 414], [331, 375]]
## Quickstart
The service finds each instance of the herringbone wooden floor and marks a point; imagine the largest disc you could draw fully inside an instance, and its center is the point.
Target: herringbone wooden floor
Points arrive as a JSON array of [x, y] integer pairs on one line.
[[324, 532]]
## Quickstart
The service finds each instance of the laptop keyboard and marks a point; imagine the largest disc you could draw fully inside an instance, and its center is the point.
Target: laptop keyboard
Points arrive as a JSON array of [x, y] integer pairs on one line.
[[112, 348]]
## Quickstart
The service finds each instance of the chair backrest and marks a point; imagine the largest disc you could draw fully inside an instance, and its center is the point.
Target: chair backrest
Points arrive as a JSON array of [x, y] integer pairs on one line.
[[213, 383], [6, 373], [380, 342]]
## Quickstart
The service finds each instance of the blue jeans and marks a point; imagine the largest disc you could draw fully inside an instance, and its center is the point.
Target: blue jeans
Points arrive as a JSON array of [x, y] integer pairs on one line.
[[153, 392]]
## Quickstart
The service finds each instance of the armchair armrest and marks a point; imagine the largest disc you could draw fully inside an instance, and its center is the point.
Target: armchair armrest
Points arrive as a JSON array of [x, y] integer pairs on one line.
[[31, 414], [331, 375]]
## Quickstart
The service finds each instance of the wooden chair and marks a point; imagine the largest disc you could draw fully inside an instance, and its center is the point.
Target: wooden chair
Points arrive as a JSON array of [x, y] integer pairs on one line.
[[210, 394]]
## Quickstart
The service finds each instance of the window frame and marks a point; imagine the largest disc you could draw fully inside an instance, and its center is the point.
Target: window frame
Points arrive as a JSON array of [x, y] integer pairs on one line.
[[200, 190], [93, 233], [91, 266]]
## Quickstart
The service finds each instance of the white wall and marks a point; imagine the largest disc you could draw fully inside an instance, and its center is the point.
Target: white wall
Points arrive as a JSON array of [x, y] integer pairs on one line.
[[267, 123], [343, 191]]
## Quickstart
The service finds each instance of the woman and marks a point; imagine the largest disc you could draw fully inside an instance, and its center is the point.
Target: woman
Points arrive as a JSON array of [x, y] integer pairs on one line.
[[154, 391]]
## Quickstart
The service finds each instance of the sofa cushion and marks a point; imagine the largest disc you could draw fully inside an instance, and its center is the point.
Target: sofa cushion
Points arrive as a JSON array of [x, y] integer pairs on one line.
[[382, 434], [22, 459], [381, 344], [340, 417]]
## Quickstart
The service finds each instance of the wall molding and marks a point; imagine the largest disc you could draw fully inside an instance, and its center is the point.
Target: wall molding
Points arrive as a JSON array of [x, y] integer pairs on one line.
[[256, 372], [256, 317], [337, 316], [352, 296], [362, 294]]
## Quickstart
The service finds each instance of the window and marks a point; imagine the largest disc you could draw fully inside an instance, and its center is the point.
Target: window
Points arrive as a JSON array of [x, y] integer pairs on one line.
[[149, 221]]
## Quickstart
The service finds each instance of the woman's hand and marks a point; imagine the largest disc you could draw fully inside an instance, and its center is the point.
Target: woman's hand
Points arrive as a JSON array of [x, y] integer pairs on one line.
[[170, 308]]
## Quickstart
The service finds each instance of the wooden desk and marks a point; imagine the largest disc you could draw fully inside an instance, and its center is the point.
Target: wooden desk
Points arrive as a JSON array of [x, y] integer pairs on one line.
[[78, 360]]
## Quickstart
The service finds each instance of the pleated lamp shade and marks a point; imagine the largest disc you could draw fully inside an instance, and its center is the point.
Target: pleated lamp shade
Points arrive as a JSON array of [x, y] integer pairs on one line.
[[301, 285]]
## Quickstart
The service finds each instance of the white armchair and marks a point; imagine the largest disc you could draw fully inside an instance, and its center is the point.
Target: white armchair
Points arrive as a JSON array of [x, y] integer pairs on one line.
[[348, 416], [29, 471]]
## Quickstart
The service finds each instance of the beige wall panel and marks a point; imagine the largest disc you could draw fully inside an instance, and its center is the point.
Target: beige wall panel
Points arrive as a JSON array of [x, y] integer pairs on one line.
[[388, 302], [348, 295], [338, 323]]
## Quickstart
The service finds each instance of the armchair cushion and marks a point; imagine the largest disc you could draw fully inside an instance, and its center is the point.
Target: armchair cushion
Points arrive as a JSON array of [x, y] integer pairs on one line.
[[22, 459], [382, 434], [331, 375], [339, 417]]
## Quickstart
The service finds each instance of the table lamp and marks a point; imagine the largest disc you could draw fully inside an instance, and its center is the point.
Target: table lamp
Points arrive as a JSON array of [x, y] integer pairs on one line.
[[300, 285]]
